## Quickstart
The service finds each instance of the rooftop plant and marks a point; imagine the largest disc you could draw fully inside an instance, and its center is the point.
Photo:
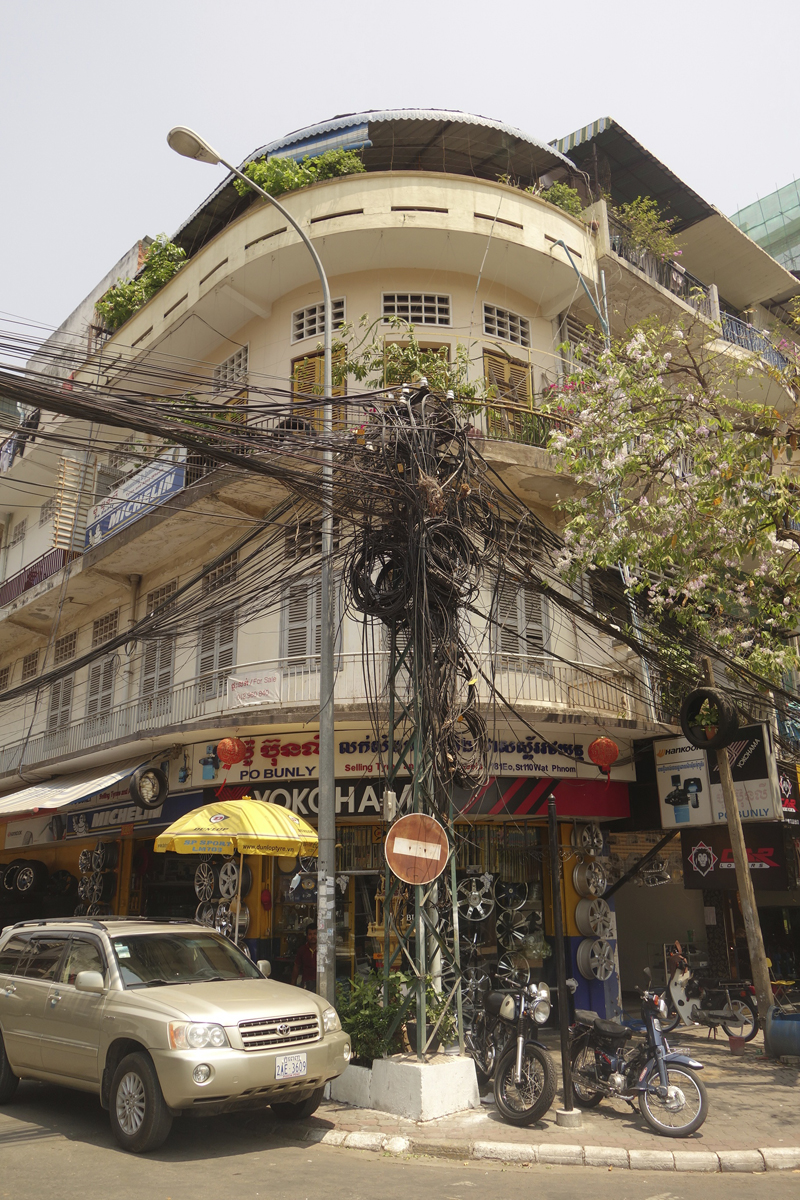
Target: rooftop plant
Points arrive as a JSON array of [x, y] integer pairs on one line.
[[648, 228], [562, 196], [122, 300], [279, 175]]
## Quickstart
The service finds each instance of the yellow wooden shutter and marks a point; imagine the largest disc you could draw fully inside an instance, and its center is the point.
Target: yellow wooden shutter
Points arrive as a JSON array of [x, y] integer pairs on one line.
[[308, 379], [510, 394]]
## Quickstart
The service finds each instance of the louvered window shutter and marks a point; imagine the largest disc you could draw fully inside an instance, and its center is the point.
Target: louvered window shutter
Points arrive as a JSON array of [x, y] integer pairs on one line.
[[60, 704], [149, 668], [298, 636], [511, 381], [157, 667], [216, 657], [308, 378], [101, 688], [533, 616], [508, 618]]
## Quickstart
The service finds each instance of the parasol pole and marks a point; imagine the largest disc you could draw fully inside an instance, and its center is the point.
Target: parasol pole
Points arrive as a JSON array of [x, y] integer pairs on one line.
[[238, 898]]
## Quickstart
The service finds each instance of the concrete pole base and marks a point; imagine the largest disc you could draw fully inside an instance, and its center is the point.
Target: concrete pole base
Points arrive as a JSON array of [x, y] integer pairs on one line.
[[569, 1120]]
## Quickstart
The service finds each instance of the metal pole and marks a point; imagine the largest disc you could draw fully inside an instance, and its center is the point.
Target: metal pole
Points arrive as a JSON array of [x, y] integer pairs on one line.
[[561, 962], [326, 824]]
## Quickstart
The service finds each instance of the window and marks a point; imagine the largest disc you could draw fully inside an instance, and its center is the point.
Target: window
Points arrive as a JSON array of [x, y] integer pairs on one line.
[[418, 308], [106, 480], [508, 326], [305, 538], [222, 573], [160, 596], [232, 372], [105, 628], [30, 665], [47, 511], [43, 956], [82, 955], [302, 623], [310, 321], [519, 620], [159, 656], [217, 646], [574, 333], [59, 709], [128, 456], [100, 693], [308, 379], [5, 677], [65, 648], [11, 955], [510, 395], [18, 532]]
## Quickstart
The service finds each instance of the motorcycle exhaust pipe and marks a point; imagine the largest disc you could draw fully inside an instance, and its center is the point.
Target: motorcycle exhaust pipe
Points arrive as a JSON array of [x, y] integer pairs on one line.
[[520, 1053]]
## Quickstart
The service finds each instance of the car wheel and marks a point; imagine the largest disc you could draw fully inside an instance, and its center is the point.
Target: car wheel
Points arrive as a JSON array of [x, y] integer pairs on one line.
[[105, 856], [229, 880], [8, 1080], [206, 881], [299, 1111], [140, 1119], [31, 877], [9, 883], [85, 862]]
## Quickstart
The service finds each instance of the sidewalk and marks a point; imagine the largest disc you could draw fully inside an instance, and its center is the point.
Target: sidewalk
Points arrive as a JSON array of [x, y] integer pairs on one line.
[[753, 1123]]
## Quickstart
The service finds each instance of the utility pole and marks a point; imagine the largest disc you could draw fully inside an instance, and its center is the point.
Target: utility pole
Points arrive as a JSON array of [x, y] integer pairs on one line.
[[744, 882]]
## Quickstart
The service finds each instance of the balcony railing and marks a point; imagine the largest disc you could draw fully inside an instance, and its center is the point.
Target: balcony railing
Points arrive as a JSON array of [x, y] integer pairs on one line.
[[544, 683], [40, 569], [741, 334], [663, 271]]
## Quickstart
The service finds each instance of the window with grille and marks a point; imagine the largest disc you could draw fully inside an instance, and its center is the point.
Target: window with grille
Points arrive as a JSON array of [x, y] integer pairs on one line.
[[519, 625], [308, 379], [5, 677], [510, 395], [47, 511], [507, 326], [160, 596], [59, 708], [128, 456], [106, 480], [310, 321], [18, 532], [105, 628], [30, 665], [305, 539], [158, 661], [100, 693], [418, 308], [222, 574], [64, 648], [231, 373], [523, 542]]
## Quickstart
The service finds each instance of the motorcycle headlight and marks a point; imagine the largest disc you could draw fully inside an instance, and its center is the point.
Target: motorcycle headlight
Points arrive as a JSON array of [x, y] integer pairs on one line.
[[330, 1020], [191, 1035], [544, 992], [663, 1011], [541, 1012]]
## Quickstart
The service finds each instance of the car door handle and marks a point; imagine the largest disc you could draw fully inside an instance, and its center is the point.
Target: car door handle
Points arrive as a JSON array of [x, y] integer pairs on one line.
[[55, 999], [10, 990]]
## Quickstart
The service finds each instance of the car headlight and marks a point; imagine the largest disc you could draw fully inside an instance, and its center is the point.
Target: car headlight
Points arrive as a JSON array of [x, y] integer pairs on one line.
[[330, 1020], [191, 1035]]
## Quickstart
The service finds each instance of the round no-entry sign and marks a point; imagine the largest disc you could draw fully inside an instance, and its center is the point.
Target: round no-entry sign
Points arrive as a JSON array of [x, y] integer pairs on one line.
[[417, 849]]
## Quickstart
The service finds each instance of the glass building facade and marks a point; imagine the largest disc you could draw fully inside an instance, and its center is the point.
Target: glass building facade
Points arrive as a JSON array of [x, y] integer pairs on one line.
[[774, 223]]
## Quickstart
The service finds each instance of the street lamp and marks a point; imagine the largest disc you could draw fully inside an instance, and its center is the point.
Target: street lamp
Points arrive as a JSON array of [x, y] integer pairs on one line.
[[188, 143]]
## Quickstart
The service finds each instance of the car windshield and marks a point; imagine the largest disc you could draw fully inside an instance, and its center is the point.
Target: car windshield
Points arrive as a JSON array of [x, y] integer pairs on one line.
[[156, 959]]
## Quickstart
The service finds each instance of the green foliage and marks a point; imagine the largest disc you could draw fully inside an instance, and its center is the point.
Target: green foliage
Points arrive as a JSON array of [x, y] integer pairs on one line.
[[681, 475], [648, 229], [367, 356], [122, 300], [563, 196], [279, 175], [361, 1010]]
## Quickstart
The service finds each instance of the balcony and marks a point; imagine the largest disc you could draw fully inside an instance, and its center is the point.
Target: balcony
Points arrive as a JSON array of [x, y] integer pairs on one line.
[[668, 274], [739, 333], [552, 686], [35, 572]]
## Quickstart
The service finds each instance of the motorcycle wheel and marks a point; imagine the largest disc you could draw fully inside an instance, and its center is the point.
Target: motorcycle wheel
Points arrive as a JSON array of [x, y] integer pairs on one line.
[[525, 1102], [672, 1021], [683, 1111], [583, 1069], [747, 1027]]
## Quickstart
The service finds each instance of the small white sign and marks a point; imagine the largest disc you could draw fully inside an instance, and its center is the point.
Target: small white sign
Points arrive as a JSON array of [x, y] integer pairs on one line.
[[254, 687], [429, 850]]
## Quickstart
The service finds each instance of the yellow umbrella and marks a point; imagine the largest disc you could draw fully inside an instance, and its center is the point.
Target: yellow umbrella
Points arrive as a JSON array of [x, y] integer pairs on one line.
[[243, 826]]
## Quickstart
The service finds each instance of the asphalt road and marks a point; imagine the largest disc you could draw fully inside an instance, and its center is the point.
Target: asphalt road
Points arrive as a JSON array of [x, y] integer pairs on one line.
[[57, 1143]]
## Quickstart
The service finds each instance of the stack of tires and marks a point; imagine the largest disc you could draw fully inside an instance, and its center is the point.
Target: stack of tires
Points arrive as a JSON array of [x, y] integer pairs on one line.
[[595, 958], [216, 885], [98, 882]]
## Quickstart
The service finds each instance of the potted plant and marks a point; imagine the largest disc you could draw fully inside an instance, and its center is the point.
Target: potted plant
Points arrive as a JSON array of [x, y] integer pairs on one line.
[[706, 720]]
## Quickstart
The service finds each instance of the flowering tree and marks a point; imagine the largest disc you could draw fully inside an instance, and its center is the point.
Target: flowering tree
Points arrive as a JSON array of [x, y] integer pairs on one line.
[[683, 473]]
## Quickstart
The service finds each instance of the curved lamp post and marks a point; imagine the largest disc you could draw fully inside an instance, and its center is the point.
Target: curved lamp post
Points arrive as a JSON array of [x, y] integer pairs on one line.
[[188, 143]]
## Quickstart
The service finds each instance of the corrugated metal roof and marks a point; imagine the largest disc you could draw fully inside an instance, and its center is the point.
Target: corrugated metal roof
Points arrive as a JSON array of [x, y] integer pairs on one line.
[[67, 789]]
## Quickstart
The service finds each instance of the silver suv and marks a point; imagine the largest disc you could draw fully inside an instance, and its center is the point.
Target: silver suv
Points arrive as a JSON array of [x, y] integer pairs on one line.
[[159, 1019]]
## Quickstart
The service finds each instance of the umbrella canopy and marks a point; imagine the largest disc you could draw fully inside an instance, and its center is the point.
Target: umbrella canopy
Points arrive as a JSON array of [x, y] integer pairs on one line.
[[243, 826]]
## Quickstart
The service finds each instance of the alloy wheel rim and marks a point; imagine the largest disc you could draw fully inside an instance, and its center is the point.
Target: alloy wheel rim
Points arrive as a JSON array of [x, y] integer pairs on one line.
[[130, 1103]]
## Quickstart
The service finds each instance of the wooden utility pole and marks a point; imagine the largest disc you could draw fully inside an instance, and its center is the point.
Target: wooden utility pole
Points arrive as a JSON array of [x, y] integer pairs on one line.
[[744, 882]]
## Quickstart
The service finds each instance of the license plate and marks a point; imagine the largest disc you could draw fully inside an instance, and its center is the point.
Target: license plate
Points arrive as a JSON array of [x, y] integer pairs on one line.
[[290, 1066]]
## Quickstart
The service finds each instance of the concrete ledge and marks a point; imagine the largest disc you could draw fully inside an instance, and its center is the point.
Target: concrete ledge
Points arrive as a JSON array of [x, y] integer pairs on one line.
[[364, 1141], [741, 1160], [504, 1151], [561, 1155], [396, 1145], [780, 1159], [424, 1091], [695, 1160], [652, 1160], [605, 1156], [352, 1086]]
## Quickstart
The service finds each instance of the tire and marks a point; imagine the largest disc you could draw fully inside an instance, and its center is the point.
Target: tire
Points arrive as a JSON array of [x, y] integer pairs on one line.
[[163, 787], [8, 1080], [85, 861], [229, 880], [727, 725], [672, 1021], [484, 1063], [583, 1060], [655, 1112], [105, 856], [537, 1090], [299, 1111], [140, 1119], [9, 884], [31, 878], [749, 1013], [206, 881]]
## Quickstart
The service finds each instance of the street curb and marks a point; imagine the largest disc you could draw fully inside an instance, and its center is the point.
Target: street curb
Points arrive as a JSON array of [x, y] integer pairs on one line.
[[780, 1158]]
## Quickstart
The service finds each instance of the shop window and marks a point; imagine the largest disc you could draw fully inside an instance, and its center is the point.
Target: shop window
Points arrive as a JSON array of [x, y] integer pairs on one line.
[[510, 395], [30, 665], [59, 708]]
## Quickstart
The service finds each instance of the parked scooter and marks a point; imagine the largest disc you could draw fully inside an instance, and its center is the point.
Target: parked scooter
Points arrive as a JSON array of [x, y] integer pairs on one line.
[[712, 1002], [502, 1042], [670, 1096]]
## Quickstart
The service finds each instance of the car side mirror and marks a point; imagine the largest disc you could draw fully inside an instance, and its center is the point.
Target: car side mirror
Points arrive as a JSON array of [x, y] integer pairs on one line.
[[264, 966], [90, 981]]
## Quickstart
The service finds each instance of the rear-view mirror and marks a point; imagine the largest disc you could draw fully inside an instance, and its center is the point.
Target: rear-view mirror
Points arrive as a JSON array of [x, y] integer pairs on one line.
[[90, 981], [264, 966]]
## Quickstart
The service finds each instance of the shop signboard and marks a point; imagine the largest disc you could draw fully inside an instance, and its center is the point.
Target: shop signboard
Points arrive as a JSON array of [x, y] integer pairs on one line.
[[111, 818], [789, 788], [132, 499], [708, 857], [689, 788]]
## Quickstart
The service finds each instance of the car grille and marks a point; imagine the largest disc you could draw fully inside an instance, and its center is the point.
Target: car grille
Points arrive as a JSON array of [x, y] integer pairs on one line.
[[269, 1033]]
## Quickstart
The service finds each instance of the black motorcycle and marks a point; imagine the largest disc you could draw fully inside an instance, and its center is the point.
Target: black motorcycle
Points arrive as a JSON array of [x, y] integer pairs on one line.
[[501, 1040], [671, 1098]]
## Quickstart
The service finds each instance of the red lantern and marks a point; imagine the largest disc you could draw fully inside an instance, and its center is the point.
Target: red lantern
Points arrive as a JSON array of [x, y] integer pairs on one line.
[[604, 752], [230, 751]]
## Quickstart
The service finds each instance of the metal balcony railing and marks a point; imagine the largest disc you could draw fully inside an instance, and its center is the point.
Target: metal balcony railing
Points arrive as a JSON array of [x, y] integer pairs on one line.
[[663, 271], [739, 333], [40, 569], [540, 682]]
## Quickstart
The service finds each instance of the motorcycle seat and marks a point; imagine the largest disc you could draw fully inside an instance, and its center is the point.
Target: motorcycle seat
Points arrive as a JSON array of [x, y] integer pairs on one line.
[[613, 1029], [585, 1017]]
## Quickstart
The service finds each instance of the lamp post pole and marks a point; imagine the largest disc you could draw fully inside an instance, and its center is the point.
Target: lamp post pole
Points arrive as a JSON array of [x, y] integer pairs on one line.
[[188, 143]]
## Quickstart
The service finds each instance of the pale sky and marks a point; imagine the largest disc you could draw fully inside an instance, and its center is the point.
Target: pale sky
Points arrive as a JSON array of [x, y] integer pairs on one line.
[[89, 91]]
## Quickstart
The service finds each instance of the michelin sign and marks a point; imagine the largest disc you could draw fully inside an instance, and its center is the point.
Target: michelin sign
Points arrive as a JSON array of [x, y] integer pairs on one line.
[[136, 496]]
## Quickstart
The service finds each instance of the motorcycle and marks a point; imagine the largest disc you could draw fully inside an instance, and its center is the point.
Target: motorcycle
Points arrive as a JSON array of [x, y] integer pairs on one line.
[[502, 1042], [670, 1096], [694, 1001]]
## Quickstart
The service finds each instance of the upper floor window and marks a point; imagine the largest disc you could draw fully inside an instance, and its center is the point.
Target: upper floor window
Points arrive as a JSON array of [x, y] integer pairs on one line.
[[18, 532], [224, 572], [30, 665], [160, 595], [59, 709], [508, 326], [105, 628], [305, 538], [510, 395], [310, 321], [582, 344], [47, 511], [418, 308], [5, 677], [232, 372], [64, 648]]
